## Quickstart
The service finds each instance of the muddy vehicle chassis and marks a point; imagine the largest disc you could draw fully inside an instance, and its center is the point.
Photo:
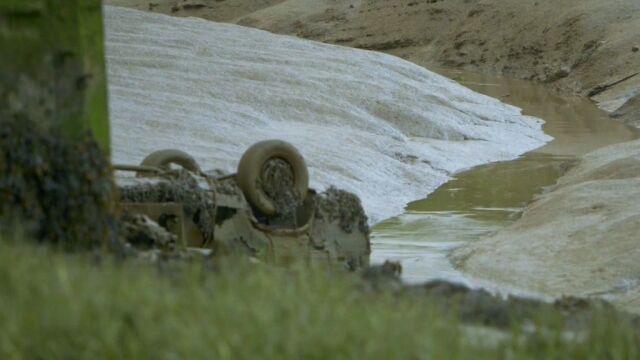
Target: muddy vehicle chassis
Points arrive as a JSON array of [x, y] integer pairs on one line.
[[241, 217]]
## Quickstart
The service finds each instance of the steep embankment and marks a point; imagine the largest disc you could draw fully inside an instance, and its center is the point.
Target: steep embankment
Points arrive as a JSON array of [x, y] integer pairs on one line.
[[581, 239], [579, 46], [370, 123]]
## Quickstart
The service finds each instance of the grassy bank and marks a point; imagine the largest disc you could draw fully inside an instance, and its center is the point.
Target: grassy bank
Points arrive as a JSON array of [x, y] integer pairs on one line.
[[55, 305]]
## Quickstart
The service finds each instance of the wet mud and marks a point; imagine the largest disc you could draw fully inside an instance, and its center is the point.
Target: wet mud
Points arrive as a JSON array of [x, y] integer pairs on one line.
[[143, 233], [180, 187], [485, 199], [277, 182], [343, 207]]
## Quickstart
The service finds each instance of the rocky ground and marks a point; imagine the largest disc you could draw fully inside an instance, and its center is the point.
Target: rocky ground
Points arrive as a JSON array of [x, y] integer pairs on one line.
[[584, 47]]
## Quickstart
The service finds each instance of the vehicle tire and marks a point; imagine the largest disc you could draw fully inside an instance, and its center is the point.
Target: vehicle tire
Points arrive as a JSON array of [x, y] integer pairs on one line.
[[163, 158], [252, 163]]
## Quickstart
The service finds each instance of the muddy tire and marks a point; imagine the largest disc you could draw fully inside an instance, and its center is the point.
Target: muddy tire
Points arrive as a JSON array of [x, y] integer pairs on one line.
[[252, 163], [163, 158]]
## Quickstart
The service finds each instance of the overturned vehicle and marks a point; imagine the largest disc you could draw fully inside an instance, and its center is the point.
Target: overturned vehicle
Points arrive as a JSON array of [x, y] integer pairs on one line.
[[266, 210]]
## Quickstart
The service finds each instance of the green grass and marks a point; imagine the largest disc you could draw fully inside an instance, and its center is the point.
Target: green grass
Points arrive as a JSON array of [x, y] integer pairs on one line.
[[55, 305]]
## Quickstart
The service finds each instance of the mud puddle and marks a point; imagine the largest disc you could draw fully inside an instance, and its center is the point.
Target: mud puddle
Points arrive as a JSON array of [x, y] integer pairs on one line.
[[489, 197]]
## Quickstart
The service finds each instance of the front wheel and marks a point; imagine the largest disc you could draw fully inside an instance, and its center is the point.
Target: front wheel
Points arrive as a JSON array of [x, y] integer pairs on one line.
[[251, 167]]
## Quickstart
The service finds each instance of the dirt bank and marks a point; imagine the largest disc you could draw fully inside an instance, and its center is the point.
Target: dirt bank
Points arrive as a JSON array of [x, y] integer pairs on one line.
[[215, 10], [579, 239], [583, 47]]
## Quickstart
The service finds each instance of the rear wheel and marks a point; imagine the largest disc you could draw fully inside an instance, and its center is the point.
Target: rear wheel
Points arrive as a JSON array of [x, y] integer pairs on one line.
[[252, 164], [164, 158]]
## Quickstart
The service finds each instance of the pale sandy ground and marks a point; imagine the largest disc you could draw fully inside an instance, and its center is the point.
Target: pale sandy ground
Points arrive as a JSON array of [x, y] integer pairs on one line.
[[582, 238], [577, 46]]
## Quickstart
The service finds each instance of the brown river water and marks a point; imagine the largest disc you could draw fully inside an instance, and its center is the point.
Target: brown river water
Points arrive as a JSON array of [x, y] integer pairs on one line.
[[487, 198]]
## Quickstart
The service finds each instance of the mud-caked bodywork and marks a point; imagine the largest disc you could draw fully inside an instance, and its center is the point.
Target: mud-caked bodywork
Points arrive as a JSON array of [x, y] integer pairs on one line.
[[212, 211]]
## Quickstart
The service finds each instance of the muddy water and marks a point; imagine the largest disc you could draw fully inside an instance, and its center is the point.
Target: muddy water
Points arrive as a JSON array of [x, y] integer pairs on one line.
[[486, 198]]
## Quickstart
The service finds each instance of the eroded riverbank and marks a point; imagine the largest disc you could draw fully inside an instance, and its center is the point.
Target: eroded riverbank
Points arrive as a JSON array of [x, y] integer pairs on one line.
[[483, 200], [578, 239]]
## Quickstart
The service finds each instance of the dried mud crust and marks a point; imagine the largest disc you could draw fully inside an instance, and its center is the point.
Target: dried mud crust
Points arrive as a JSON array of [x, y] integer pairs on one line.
[[342, 207], [182, 187], [60, 191]]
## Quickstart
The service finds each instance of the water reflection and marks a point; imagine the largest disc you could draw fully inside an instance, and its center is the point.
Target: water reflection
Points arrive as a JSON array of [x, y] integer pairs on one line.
[[495, 190], [487, 198], [577, 125]]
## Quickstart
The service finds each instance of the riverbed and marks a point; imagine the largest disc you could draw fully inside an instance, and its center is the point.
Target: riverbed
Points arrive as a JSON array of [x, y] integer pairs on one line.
[[484, 199]]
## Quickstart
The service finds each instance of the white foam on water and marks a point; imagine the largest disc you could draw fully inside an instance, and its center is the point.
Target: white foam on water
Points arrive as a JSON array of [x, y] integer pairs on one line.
[[370, 123]]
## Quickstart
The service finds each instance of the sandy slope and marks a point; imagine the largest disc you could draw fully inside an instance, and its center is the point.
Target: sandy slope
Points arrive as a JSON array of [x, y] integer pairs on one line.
[[381, 127], [582, 238], [579, 46]]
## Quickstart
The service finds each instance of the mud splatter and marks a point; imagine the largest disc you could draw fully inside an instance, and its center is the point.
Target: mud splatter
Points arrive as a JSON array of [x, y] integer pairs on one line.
[[277, 182], [144, 233], [182, 187], [343, 207]]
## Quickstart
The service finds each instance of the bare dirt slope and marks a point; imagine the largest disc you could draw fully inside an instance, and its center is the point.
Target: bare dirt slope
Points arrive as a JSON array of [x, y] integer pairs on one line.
[[579, 46]]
